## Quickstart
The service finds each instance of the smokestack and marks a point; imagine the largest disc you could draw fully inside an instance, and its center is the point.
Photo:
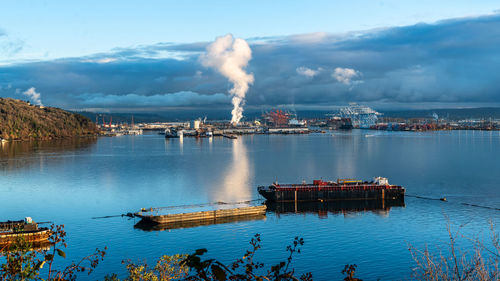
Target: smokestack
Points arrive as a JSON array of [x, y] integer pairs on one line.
[[230, 56]]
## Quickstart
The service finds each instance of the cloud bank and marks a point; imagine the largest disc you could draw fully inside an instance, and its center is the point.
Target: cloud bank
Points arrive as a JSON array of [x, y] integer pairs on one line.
[[158, 100], [452, 62]]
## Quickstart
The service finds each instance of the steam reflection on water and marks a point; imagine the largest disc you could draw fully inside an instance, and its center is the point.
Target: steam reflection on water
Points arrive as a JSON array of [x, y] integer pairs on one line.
[[235, 186]]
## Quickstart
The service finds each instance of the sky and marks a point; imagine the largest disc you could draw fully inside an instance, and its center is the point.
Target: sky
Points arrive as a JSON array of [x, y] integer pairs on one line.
[[145, 56]]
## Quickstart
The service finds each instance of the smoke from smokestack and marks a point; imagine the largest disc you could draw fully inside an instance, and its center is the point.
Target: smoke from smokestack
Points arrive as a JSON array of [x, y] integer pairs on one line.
[[33, 95], [230, 56]]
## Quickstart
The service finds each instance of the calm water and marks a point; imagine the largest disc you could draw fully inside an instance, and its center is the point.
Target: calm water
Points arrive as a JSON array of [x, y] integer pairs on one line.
[[69, 182]]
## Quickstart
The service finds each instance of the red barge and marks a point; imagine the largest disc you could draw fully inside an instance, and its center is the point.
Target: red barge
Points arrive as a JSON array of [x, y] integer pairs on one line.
[[342, 189]]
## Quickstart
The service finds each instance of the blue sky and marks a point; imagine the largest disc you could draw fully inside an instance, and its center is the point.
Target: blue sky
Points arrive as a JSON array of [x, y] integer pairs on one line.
[[130, 55], [54, 29]]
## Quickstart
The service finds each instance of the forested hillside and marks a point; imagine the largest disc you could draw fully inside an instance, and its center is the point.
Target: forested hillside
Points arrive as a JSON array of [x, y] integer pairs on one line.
[[19, 120]]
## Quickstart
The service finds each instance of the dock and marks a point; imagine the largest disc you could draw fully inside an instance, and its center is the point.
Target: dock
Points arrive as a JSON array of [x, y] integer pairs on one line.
[[229, 136], [212, 215]]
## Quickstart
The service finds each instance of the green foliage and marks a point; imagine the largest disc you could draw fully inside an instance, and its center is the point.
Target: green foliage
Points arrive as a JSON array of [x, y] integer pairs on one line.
[[244, 268], [20, 262], [23, 262], [20, 120], [194, 267], [166, 268], [349, 271]]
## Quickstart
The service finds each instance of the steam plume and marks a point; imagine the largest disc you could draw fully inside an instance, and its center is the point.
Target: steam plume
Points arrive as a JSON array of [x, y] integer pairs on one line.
[[230, 56], [33, 95]]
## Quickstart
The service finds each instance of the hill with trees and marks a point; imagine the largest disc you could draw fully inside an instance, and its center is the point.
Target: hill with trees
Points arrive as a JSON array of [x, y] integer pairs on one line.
[[20, 120]]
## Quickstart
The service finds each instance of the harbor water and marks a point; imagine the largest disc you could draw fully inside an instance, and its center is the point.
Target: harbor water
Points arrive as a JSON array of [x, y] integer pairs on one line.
[[72, 182]]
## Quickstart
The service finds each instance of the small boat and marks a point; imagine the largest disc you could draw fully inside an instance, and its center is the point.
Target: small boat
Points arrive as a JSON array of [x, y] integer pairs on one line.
[[233, 137], [211, 215], [171, 133], [27, 229]]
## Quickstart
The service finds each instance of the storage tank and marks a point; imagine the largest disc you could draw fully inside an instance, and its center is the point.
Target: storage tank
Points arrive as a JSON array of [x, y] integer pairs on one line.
[[195, 124]]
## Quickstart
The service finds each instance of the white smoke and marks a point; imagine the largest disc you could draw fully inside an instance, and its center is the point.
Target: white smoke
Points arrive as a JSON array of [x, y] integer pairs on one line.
[[345, 75], [230, 56], [34, 96]]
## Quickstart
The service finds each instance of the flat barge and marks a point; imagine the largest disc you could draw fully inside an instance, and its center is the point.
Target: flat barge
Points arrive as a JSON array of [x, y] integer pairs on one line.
[[212, 215], [27, 230], [342, 189], [148, 226]]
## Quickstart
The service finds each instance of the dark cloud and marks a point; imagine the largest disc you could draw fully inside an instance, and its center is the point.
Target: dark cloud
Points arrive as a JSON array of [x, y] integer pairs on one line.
[[449, 62]]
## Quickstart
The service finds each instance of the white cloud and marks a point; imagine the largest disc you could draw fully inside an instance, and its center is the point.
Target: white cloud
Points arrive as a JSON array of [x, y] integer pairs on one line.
[[345, 75], [100, 60], [33, 95], [106, 60], [307, 71], [309, 38]]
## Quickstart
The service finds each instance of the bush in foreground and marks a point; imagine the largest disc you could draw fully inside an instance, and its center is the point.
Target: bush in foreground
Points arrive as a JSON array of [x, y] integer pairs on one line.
[[22, 262], [479, 262]]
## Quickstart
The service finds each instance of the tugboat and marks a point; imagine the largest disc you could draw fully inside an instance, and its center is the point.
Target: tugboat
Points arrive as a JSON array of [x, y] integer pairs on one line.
[[342, 189], [25, 229]]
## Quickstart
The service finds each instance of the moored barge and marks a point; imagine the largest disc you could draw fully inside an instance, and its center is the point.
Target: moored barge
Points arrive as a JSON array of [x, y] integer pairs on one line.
[[27, 230], [211, 215], [342, 189]]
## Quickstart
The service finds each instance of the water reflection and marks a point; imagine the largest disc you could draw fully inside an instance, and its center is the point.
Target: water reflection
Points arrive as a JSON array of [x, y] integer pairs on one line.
[[345, 207], [236, 182], [112, 178], [33, 246], [23, 154], [181, 144]]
